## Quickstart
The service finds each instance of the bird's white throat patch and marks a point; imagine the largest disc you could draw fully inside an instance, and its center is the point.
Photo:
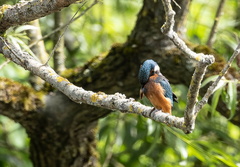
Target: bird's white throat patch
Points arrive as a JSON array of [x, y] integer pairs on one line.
[[156, 68]]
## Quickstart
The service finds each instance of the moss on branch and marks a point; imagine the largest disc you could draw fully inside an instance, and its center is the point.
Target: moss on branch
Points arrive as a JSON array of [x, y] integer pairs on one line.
[[19, 97]]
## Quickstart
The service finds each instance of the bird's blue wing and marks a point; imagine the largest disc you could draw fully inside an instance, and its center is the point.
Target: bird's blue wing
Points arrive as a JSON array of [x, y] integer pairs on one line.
[[166, 86]]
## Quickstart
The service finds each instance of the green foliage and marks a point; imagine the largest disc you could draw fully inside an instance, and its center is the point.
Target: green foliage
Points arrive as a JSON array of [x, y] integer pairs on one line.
[[227, 91], [92, 34], [231, 99], [200, 21], [129, 140], [18, 37], [95, 32], [13, 144]]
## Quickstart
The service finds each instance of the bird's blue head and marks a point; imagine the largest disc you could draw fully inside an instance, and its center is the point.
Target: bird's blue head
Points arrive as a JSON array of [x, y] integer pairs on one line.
[[148, 68]]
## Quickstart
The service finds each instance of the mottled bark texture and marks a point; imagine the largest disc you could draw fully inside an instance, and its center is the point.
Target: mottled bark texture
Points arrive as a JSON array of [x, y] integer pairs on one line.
[[63, 133], [29, 11]]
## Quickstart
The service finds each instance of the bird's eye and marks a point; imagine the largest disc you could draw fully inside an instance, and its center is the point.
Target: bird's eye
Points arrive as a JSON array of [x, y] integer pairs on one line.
[[151, 73]]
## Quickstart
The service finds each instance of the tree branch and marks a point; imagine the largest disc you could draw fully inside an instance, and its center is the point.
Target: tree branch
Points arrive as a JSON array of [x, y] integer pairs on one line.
[[203, 60], [167, 29], [116, 101], [4, 64], [28, 11], [215, 24], [67, 24], [192, 96], [39, 51], [58, 40]]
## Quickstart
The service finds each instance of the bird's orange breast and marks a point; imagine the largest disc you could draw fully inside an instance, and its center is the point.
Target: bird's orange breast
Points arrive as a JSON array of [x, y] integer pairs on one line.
[[155, 93]]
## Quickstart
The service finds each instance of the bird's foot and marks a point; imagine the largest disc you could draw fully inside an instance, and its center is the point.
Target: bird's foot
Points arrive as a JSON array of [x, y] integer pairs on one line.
[[154, 109]]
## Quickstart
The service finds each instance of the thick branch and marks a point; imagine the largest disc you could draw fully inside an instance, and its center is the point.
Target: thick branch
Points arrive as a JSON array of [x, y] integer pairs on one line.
[[19, 103], [28, 11], [193, 93], [79, 95]]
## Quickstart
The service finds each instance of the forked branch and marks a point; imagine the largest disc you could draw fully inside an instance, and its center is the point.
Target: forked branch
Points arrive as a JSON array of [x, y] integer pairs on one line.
[[203, 61]]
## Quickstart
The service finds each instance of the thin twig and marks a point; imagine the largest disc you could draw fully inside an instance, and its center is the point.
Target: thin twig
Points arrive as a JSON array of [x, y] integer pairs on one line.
[[215, 24], [177, 4], [65, 25], [238, 61], [60, 37], [4, 64], [6, 46]]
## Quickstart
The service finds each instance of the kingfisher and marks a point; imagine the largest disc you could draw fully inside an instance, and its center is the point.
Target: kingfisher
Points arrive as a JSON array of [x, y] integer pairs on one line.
[[156, 87]]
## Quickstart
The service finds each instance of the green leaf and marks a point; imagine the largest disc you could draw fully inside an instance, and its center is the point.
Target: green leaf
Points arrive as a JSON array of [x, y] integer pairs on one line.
[[215, 100], [226, 161], [221, 84], [14, 41], [154, 143], [24, 28], [209, 79], [232, 103], [25, 47], [219, 153], [195, 148]]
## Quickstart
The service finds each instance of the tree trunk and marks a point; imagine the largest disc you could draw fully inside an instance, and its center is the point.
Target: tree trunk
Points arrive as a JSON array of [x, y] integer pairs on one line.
[[57, 145], [65, 135]]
